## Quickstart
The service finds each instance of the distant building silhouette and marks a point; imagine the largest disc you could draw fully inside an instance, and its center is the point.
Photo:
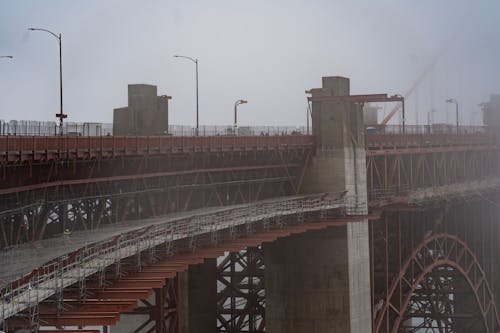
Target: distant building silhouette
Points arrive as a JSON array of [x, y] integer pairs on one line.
[[146, 113]]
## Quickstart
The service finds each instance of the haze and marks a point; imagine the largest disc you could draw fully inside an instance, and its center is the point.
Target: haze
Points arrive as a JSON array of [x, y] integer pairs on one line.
[[268, 52]]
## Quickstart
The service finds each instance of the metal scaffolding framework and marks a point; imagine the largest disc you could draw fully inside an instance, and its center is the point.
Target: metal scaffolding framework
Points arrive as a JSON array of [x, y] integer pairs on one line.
[[114, 257]]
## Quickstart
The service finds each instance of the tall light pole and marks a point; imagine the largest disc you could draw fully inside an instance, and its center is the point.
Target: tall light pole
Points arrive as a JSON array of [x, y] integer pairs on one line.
[[238, 102], [197, 104], [61, 114], [10, 57], [454, 101]]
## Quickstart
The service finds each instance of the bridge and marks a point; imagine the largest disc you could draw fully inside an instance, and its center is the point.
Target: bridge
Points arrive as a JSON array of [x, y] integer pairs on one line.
[[338, 231]]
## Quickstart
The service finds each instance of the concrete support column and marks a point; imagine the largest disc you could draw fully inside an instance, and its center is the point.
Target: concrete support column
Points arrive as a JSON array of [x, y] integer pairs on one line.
[[198, 298], [313, 284], [319, 282]]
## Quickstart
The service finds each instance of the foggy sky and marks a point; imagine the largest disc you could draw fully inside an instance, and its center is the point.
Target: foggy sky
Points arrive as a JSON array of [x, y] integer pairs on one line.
[[268, 52]]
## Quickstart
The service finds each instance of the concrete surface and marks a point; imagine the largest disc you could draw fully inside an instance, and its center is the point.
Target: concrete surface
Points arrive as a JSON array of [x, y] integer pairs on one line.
[[146, 113]]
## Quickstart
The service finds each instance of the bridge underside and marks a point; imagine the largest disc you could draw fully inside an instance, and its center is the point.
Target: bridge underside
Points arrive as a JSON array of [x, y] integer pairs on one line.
[[436, 267]]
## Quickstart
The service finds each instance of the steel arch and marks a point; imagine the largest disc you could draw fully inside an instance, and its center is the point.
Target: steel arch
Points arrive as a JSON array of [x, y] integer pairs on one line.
[[438, 250]]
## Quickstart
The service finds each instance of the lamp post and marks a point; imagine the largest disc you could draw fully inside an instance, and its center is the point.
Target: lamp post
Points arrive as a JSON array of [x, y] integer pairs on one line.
[[61, 114], [197, 104], [454, 101], [8, 56], [238, 102]]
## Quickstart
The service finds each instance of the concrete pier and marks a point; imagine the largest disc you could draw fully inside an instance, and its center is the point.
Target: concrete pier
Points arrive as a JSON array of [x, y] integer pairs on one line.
[[319, 282], [198, 298]]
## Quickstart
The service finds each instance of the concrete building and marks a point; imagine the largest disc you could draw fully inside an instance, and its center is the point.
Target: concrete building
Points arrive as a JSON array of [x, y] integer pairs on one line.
[[146, 113]]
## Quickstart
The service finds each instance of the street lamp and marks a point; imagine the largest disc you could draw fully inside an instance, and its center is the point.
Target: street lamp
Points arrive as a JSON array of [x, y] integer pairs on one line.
[[197, 104], [454, 101], [10, 57], [238, 102], [61, 114]]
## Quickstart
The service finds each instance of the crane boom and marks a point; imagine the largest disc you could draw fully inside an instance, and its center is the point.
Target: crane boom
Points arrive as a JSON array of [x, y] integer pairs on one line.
[[420, 78], [411, 90]]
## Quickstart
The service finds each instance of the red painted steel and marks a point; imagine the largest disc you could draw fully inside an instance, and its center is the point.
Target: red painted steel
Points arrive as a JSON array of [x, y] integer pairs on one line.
[[122, 294], [436, 269], [395, 164], [14, 148]]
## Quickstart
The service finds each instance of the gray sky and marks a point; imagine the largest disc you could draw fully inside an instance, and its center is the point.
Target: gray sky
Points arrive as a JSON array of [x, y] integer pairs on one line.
[[268, 52]]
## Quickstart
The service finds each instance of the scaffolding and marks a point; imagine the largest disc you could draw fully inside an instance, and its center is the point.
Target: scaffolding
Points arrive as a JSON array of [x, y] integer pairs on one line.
[[89, 257]]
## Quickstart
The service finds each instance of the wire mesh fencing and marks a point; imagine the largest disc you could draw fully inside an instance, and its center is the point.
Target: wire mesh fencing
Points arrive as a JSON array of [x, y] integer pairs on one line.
[[52, 128]]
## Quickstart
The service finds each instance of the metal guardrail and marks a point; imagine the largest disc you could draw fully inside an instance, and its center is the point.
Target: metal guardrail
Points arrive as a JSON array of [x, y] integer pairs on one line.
[[70, 268], [51, 128]]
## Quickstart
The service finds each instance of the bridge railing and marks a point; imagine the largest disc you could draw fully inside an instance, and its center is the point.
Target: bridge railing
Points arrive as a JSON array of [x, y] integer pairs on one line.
[[67, 269], [51, 128]]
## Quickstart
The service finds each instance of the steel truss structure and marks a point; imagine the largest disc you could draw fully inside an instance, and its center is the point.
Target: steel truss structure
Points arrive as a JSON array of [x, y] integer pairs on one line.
[[55, 191], [400, 170], [432, 268], [241, 294], [161, 310], [436, 268]]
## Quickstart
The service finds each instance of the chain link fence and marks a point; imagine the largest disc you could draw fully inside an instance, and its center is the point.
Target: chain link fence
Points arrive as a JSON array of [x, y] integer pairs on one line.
[[51, 128]]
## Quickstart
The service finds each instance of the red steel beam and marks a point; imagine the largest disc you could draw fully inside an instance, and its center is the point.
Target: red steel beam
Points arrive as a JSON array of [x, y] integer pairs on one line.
[[137, 285], [138, 176], [43, 148]]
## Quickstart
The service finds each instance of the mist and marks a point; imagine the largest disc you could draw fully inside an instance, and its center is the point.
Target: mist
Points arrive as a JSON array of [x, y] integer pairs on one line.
[[266, 52]]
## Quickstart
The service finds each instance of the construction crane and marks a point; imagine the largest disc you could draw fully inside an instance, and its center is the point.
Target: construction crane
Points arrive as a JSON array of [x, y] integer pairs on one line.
[[421, 77]]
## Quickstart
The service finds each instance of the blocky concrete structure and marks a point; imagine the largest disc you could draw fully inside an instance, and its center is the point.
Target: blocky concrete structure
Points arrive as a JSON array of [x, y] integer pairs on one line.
[[198, 298], [146, 113], [338, 128], [370, 114], [491, 114], [319, 282]]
